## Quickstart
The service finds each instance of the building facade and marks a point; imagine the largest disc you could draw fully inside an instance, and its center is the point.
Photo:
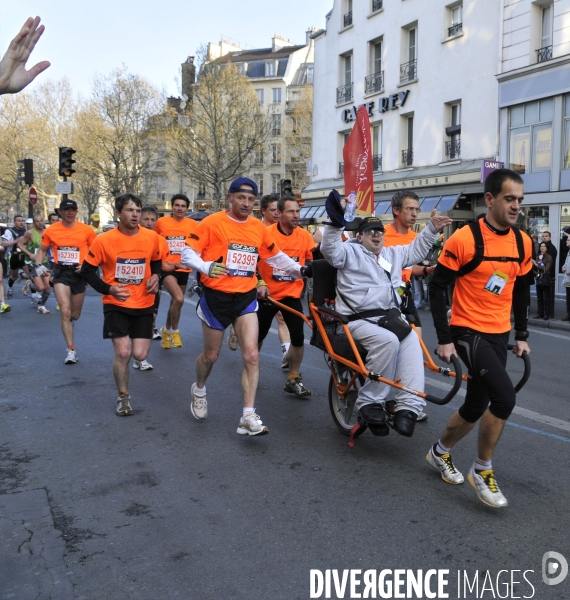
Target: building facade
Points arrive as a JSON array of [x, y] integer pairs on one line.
[[534, 109], [279, 75], [426, 72]]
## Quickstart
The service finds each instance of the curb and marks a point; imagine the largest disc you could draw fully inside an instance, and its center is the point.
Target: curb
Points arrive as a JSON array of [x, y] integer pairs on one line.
[[552, 324]]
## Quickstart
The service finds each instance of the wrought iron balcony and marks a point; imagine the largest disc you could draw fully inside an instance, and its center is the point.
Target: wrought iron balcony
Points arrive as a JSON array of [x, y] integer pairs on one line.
[[376, 5], [348, 19], [340, 168], [454, 29], [453, 149], [408, 157], [377, 162], [409, 71], [544, 54], [374, 83], [344, 94]]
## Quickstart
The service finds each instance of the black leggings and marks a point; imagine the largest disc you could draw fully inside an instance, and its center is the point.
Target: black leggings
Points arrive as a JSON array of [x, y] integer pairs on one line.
[[489, 384], [267, 311]]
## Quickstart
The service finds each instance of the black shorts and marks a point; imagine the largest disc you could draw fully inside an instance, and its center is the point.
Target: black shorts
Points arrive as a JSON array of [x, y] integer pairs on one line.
[[69, 277], [219, 310], [180, 276], [489, 385], [119, 324], [17, 261], [268, 310]]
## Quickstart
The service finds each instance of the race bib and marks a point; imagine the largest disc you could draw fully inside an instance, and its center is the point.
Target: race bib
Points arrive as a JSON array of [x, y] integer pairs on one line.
[[175, 243], [497, 283], [279, 275], [68, 256], [130, 270], [241, 260]]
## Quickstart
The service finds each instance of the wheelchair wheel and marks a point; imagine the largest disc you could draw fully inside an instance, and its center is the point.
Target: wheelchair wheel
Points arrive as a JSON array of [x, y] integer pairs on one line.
[[343, 410]]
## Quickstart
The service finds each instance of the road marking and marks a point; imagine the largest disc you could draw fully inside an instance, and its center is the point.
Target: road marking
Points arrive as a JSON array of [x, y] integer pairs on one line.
[[556, 335]]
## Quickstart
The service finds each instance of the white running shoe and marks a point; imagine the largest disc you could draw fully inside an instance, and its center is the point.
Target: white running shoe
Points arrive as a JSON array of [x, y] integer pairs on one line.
[[232, 341], [143, 365], [71, 357], [156, 334], [252, 425], [486, 487], [198, 404], [446, 467], [43, 310]]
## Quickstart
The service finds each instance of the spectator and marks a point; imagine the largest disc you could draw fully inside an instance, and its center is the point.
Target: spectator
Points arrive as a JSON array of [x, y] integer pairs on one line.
[[543, 265]]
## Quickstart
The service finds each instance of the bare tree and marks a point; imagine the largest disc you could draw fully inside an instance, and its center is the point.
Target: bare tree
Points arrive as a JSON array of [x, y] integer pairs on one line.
[[298, 137], [117, 131], [215, 139]]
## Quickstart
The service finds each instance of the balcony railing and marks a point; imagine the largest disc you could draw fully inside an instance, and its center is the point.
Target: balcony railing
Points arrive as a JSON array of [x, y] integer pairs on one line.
[[344, 94], [374, 83], [409, 71], [276, 130], [454, 29], [377, 162], [453, 149], [340, 168], [376, 5], [408, 157], [544, 54], [348, 19]]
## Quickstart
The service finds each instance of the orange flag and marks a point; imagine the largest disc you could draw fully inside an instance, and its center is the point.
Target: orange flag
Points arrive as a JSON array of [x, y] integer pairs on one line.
[[357, 155]]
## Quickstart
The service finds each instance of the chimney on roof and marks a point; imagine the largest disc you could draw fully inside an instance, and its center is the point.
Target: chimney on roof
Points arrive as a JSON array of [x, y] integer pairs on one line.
[[278, 42], [188, 77]]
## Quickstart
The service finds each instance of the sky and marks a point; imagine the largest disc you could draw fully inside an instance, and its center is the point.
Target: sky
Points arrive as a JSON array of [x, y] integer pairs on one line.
[[151, 39]]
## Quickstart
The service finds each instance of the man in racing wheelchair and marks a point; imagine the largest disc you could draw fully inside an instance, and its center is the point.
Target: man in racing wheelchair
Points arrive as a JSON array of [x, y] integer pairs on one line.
[[368, 280]]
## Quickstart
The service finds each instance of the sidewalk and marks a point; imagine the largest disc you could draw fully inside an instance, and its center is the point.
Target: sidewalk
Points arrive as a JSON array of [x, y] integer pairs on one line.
[[554, 322]]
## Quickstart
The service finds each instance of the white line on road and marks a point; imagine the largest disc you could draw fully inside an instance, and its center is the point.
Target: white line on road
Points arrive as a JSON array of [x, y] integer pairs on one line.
[[556, 335]]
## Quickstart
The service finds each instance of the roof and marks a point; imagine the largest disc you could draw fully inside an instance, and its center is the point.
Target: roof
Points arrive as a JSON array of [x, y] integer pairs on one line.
[[260, 54]]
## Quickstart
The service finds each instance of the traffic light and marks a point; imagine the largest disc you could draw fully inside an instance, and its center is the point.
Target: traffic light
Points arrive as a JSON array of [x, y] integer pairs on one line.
[[66, 161], [286, 187], [26, 172]]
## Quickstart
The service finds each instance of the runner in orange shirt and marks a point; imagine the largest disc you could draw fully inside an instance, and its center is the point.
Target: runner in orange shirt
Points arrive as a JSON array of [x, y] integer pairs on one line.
[[175, 229], [480, 326], [297, 243], [225, 248], [69, 241], [130, 260]]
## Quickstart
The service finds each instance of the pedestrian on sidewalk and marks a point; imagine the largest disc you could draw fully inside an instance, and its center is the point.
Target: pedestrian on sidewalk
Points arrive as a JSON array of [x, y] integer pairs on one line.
[[543, 264]]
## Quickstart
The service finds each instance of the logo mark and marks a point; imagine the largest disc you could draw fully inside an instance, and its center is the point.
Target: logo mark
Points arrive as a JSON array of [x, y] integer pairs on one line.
[[554, 568]]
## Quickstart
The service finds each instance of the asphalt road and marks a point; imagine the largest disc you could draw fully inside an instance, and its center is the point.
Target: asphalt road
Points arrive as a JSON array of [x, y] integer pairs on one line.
[[160, 506]]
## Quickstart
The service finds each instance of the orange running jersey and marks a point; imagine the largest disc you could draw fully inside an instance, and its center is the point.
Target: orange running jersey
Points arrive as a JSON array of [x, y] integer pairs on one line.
[[393, 238], [126, 259], [69, 244], [239, 244], [175, 232], [298, 246], [482, 299]]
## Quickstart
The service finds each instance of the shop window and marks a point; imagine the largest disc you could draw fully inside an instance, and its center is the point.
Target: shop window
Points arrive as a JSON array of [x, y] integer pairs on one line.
[[530, 137]]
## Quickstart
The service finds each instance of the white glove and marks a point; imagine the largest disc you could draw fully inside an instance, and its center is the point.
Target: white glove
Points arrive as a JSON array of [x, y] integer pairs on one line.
[[41, 270]]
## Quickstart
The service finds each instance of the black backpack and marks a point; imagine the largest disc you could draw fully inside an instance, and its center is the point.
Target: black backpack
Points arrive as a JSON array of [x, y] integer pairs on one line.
[[480, 249]]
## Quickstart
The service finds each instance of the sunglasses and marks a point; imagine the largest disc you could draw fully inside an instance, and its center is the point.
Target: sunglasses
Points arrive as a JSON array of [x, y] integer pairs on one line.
[[374, 231]]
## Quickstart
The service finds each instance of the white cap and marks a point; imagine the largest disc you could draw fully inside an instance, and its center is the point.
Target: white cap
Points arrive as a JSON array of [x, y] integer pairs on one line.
[[29, 220]]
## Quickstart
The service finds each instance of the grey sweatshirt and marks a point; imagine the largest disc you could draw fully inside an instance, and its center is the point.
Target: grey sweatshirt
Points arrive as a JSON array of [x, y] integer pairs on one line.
[[361, 279]]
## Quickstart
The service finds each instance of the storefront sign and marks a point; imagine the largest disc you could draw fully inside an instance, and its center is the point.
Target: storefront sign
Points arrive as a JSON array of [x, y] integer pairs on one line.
[[384, 104], [488, 166]]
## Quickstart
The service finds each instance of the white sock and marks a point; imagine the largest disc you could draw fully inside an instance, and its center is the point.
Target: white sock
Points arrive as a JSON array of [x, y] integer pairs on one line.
[[285, 348], [482, 465], [248, 411], [441, 449], [174, 330], [201, 390]]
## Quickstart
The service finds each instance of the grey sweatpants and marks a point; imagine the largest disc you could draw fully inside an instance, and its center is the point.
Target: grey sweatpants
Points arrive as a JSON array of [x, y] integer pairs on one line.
[[393, 360]]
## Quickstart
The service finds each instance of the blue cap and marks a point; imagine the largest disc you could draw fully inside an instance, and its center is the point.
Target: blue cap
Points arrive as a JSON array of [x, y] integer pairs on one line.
[[235, 185]]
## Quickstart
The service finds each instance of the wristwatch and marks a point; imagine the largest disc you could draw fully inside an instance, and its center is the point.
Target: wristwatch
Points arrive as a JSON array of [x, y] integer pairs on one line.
[[521, 336]]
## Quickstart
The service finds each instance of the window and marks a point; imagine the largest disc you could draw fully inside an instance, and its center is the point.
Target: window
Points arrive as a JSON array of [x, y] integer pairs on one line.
[[260, 94], [258, 157], [309, 77], [276, 124], [545, 51], [258, 177], [275, 154], [412, 47], [377, 147], [408, 70], [376, 5], [377, 57], [347, 16], [455, 20], [344, 92], [453, 145], [530, 137], [408, 151], [275, 184], [567, 132], [347, 74], [375, 81], [270, 69], [276, 95]]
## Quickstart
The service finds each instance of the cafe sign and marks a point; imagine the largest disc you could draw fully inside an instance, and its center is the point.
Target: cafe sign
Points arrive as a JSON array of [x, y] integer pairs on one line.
[[348, 115]]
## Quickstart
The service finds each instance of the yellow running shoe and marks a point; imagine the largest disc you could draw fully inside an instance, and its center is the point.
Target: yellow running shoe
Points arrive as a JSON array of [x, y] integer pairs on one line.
[[166, 338], [176, 340]]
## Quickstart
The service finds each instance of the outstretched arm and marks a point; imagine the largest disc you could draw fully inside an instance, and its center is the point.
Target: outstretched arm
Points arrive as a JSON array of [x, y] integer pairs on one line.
[[13, 75]]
